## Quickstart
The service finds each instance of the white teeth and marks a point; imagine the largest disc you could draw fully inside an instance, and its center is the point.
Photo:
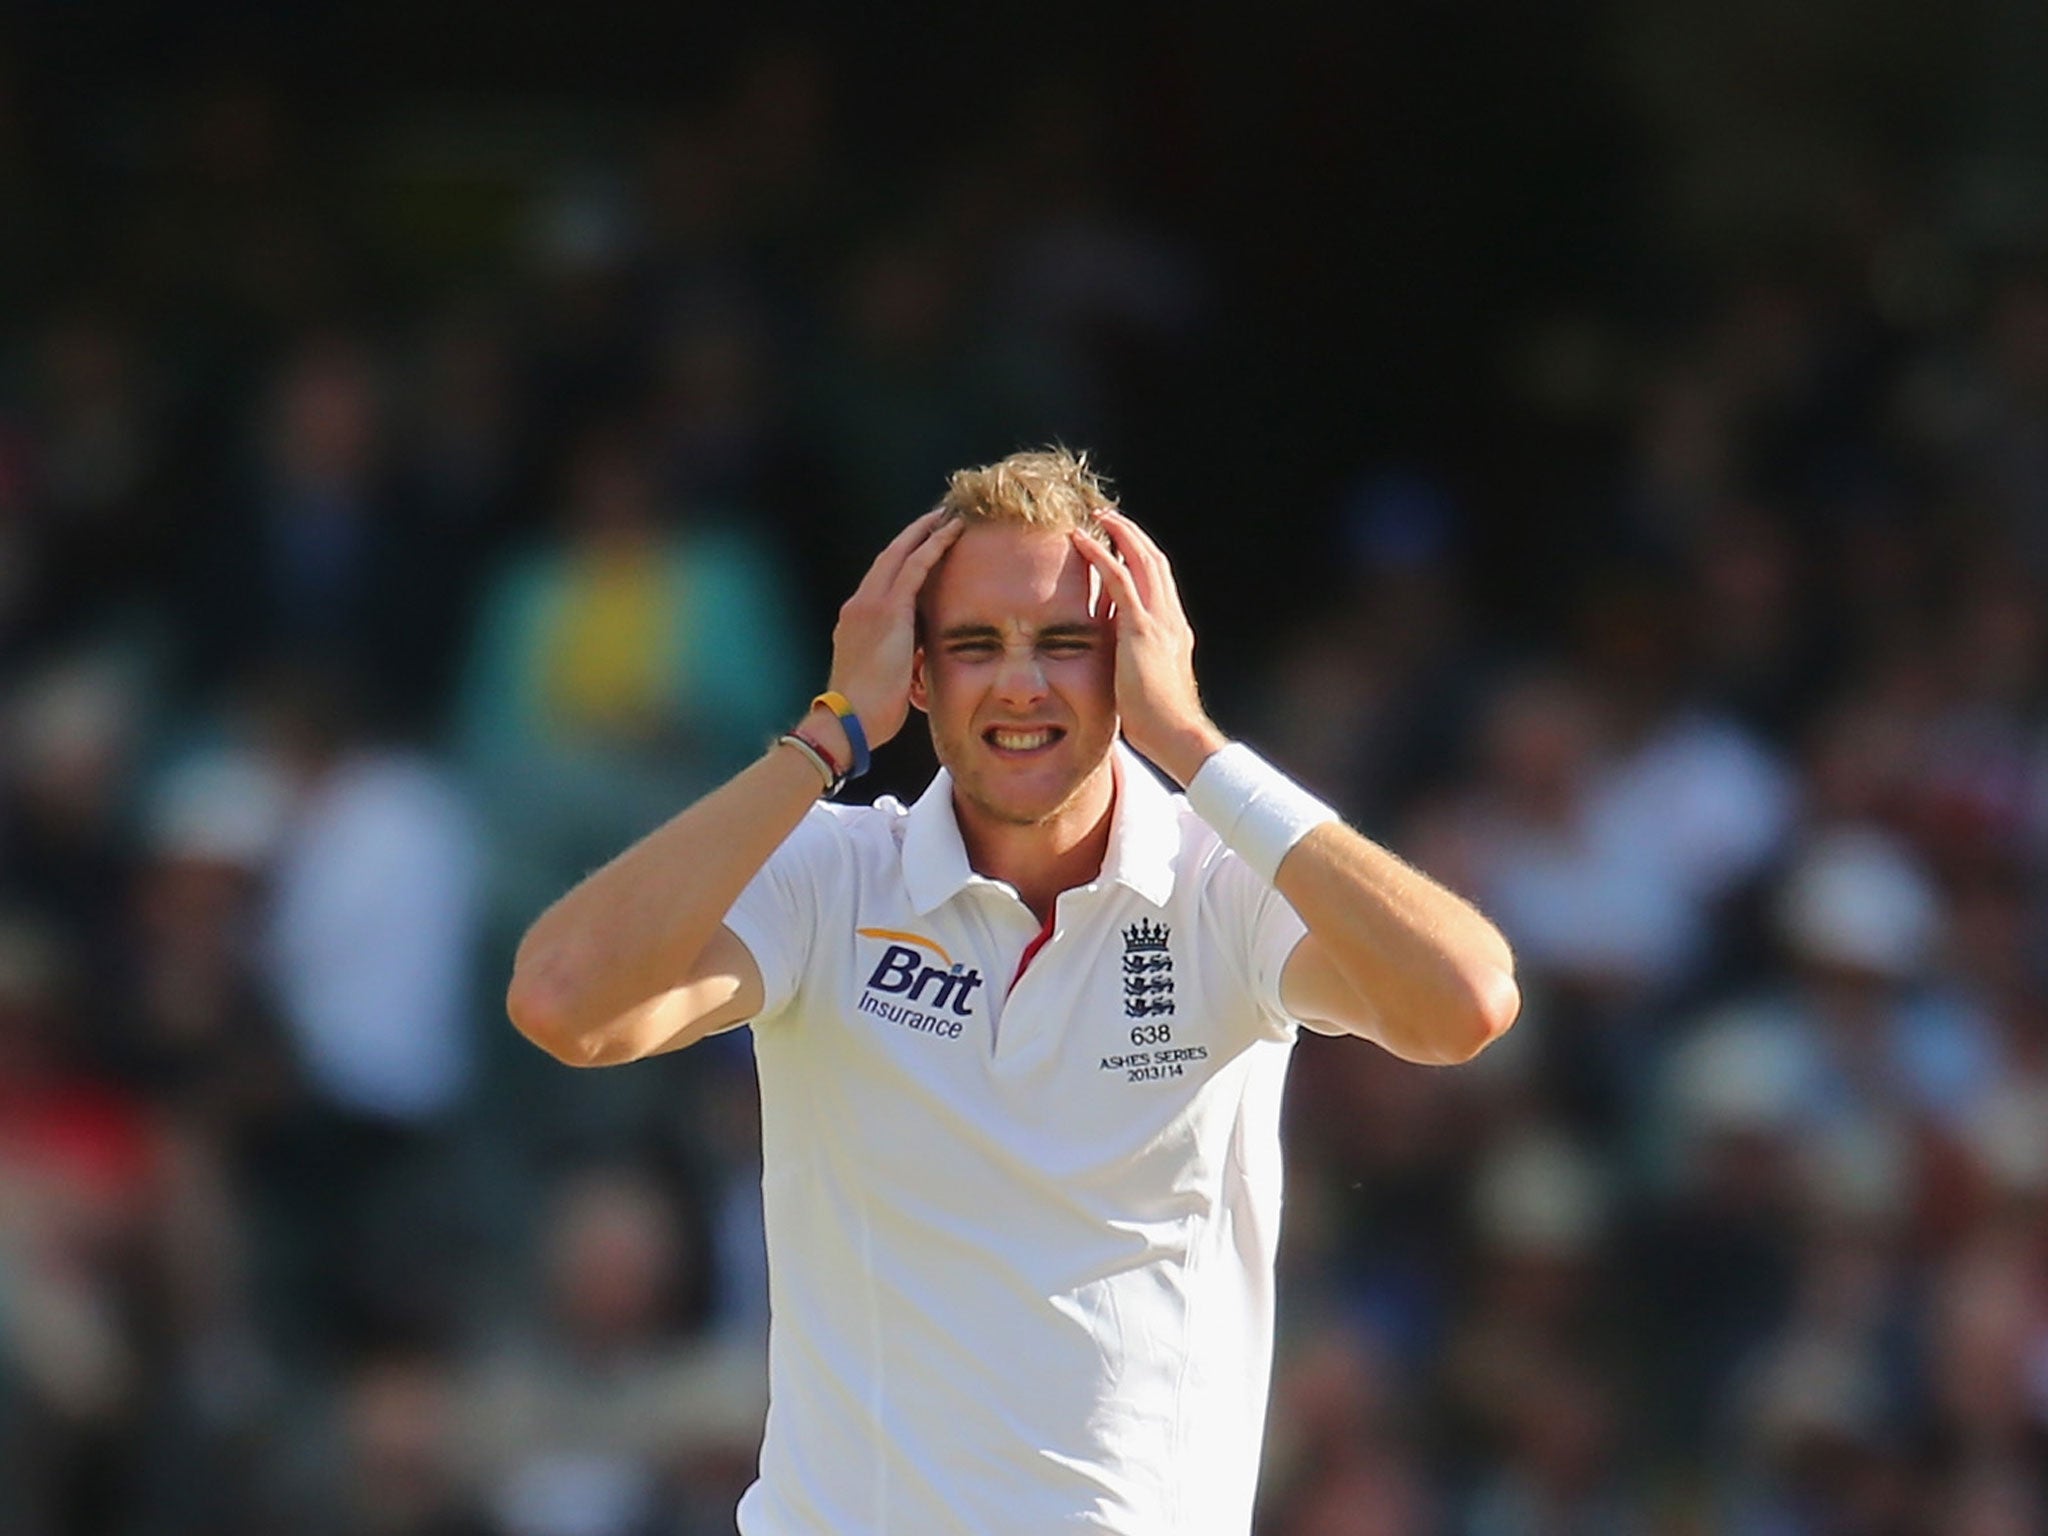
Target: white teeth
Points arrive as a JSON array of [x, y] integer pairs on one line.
[[1020, 741]]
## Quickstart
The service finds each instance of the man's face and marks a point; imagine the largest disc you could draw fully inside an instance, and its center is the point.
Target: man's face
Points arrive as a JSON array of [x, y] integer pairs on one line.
[[1017, 672]]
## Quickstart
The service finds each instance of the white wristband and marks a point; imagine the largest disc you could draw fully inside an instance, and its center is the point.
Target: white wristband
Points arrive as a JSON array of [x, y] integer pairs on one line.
[[1256, 809]]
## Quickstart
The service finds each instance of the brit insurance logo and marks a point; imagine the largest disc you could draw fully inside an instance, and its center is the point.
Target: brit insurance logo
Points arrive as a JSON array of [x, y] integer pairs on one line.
[[906, 988], [1148, 996]]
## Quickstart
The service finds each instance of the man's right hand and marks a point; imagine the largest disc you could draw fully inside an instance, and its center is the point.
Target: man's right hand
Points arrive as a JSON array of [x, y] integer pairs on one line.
[[876, 636]]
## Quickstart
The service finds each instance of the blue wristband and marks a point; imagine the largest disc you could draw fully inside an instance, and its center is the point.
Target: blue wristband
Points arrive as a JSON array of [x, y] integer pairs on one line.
[[850, 722]]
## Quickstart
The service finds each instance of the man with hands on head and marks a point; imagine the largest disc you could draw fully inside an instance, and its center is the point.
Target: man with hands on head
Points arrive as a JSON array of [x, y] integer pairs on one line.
[[1021, 1044]]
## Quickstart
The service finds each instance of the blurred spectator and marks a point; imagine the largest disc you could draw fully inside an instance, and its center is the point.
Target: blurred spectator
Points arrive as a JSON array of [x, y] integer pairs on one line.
[[898, 391], [389, 1462], [369, 947], [619, 1405], [75, 729], [1539, 1218], [110, 529], [1716, 1244], [1084, 295], [1684, 785], [403, 1431], [1975, 797], [195, 1024], [622, 667], [720, 428], [378, 858], [81, 1172], [1375, 695], [1842, 1098], [1605, 925], [1587, 907], [1820, 1410], [2000, 1499], [25, 599], [777, 122], [1994, 425], [1337, 1463], [1753, 637], [1560, 1467], [459, 460], [1987, 1343], [1883, 1041], [1379, 1149], [310, 559]]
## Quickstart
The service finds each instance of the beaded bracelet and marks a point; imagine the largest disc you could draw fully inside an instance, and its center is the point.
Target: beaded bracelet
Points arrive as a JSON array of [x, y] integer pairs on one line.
[[832, 776]]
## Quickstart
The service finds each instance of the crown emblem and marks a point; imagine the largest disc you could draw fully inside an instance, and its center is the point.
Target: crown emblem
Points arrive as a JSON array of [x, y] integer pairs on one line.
[[1147, 970], [1143, 937]]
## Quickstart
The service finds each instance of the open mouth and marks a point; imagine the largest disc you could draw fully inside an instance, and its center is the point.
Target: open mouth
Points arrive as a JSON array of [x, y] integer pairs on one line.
[[1022, 741]]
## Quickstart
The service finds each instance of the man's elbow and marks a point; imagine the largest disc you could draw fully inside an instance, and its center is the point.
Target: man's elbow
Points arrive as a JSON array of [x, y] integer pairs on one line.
[[534, 1015], [1487, 1011], [540, 1012], [1495, 1004]]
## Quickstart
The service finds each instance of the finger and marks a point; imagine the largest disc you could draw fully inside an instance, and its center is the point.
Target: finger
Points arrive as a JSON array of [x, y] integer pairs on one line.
[[1143, 550], [1117, 578], [1139, 547], [918, 565], [882, 574], [1125, 538], [1100, 604]]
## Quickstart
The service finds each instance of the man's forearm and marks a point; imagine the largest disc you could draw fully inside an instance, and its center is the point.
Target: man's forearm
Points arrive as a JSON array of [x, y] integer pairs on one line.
[[1390, 953], [1432, 979], [635, 928]]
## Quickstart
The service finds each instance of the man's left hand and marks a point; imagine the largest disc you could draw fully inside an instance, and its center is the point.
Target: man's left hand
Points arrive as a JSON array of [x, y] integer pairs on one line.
[[1155, 651]]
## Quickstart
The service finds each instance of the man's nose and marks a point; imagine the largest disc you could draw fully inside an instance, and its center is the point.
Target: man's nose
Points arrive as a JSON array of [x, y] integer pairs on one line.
[[1021, 679]]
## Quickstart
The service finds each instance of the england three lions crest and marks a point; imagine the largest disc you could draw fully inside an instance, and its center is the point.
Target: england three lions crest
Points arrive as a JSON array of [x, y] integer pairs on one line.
[[1148, 970]]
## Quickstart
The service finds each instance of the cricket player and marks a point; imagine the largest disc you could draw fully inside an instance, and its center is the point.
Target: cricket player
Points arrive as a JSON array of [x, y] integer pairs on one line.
[[1021, 1044]]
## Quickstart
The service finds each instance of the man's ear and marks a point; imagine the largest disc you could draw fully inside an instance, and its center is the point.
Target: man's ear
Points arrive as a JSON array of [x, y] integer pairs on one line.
[[919, 695]]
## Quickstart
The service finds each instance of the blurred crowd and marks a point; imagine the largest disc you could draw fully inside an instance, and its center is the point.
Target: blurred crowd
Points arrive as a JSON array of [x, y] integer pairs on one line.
[[1745, 1227], [376, 557]]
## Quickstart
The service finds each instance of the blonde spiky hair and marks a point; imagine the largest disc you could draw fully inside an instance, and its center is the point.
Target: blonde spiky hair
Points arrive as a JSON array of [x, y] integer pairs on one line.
[[1049, 488]]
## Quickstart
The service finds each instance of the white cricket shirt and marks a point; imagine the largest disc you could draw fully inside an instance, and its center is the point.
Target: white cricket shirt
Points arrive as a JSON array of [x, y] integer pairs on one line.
[[1020, 1237]]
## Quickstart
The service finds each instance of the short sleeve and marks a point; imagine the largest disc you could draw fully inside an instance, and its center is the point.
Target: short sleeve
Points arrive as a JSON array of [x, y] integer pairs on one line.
[[1262, 929], [1276, 929], [777, 914]]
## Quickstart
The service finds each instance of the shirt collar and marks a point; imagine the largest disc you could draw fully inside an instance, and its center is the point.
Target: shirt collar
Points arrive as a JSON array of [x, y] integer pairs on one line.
[[1144, 838]]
